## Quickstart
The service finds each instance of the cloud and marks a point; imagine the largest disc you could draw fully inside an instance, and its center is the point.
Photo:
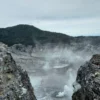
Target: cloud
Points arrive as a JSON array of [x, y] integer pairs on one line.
[[75, 27], [68, 16], [48, 9]]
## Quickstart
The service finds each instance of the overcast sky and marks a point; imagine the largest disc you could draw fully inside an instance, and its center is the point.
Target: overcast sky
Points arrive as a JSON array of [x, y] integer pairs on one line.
[[73, 17]]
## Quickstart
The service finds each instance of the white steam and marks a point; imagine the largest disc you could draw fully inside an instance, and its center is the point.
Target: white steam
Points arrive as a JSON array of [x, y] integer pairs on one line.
[[59, 57], [53, 70], [68, 88]]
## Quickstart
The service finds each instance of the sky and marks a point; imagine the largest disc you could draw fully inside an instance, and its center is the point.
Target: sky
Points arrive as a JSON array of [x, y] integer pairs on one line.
[[72, 17]]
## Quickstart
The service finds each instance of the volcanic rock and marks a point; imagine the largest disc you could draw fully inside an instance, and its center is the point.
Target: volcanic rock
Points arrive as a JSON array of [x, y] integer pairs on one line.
[[14, 82], [88, 78]]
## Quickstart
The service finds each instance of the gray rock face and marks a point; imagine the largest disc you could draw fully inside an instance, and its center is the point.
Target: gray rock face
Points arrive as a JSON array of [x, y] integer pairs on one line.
[[14, 82], [89, 78]]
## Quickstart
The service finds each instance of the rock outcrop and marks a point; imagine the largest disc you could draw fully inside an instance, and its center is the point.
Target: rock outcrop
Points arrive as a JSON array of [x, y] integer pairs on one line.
[[14, 82], [88, 78]]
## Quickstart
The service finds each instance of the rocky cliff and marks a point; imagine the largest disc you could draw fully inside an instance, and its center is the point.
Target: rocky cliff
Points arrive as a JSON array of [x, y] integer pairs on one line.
[[14, 82], [88, 80]]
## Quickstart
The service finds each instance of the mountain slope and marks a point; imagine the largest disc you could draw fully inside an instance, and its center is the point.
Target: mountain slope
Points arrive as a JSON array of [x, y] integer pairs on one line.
[[27, 35], [30, 35]]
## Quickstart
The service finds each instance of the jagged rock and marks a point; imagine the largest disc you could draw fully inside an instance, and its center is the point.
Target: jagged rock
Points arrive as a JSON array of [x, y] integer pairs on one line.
[[14, 82], [88, 78]]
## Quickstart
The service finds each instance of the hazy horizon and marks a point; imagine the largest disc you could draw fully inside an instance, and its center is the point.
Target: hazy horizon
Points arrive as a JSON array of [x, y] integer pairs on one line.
[[75, 34], [74, 17]]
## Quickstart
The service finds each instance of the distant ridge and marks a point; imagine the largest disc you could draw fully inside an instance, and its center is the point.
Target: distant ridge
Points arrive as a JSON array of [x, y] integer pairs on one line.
[[28, 35]]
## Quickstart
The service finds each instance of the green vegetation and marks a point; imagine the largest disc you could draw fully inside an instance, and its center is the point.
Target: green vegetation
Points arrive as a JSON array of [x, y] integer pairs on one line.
[[29, 35]]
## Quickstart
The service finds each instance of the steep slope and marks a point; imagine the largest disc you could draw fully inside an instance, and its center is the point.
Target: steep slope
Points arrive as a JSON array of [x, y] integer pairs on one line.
[[14, 82], [88, 79]]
